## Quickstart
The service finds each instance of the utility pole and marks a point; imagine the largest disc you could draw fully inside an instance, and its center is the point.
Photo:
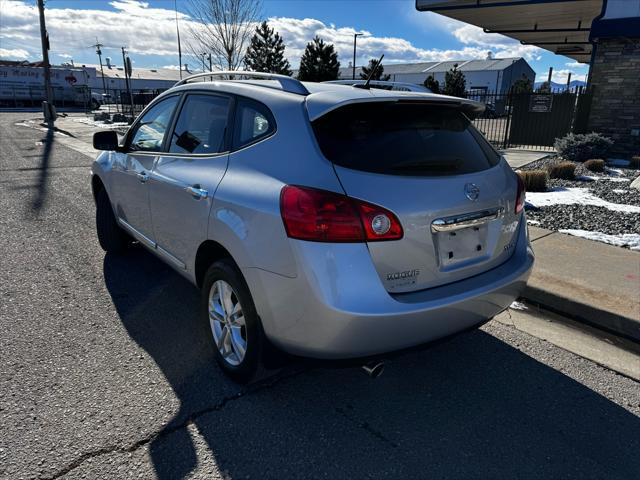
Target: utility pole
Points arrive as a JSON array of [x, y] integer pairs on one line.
[[175, 6], [355, 38], [49, 112], [210, 64], [126, 64], [98, 46], [203, 55]]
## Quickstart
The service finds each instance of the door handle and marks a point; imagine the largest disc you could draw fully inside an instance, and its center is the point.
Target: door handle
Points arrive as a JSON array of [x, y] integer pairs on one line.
[[142, 176], [196, 192]]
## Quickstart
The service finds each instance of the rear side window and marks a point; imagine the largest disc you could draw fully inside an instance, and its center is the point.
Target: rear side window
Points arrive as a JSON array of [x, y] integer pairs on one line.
[[201, 126], [403, 139], [253, 122]]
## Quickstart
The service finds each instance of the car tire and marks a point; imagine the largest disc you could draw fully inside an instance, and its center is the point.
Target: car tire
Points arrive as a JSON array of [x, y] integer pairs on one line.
[[111, 237], [238, 351]]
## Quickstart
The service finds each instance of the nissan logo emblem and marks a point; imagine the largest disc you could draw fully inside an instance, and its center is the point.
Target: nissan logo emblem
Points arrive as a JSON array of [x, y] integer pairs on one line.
[[471, 191]]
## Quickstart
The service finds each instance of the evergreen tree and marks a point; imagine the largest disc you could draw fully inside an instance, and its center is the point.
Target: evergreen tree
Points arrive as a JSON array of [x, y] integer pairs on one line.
[[379, 73], [454, 82], [432, 84], [544, 88], [319, 62], [522, 85], [266, 52]]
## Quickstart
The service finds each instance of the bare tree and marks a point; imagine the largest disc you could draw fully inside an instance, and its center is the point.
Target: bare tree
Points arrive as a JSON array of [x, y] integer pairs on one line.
[[222, 28]]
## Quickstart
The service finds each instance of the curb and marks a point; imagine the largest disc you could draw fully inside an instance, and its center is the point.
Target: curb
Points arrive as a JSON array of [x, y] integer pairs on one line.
[[581, 312]]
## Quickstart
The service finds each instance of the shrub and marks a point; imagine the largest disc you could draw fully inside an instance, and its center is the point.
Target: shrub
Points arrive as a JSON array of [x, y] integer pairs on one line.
[[581, 147], [595, 165], [634, 162], [534, 180], [565, 170]]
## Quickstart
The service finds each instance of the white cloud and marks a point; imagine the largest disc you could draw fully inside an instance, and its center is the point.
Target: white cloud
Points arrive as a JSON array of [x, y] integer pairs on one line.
[[561, 76], [152, 31], [576, 65], [13, 54], [171, 67]]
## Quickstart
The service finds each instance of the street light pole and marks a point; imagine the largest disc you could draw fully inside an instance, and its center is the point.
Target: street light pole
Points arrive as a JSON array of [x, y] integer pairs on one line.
[[44, 37], [175, 6], [355, 38]]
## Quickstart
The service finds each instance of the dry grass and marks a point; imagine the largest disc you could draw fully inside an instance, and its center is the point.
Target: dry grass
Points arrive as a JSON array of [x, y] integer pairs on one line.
[[534, 180], [594, 165], [564, 170], [635, 162]]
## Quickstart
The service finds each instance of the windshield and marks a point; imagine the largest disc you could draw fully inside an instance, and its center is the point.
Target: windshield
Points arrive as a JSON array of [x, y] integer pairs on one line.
[[403, 139]]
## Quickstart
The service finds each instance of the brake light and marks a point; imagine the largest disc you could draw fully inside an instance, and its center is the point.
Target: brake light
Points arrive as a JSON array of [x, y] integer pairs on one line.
[[322, 216], [520, 195]]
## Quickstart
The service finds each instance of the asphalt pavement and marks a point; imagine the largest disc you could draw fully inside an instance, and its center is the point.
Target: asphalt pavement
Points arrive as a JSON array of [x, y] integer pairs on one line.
[[105, 372]]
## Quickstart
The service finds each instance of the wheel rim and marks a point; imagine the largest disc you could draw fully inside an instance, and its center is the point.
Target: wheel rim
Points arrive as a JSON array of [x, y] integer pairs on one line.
[[227, 323]]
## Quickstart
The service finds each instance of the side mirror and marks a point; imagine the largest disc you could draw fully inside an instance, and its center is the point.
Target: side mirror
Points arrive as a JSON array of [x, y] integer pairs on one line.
[[107, 140]]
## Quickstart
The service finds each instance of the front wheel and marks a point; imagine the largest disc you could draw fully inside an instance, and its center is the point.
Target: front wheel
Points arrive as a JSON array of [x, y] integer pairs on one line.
[[228, 309], [110, 236]]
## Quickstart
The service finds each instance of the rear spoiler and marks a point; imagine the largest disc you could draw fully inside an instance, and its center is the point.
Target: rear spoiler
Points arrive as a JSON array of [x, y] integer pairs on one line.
[[470, 108]]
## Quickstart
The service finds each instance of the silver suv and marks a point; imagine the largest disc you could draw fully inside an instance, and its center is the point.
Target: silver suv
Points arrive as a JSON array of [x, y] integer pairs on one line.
[[329, 221]]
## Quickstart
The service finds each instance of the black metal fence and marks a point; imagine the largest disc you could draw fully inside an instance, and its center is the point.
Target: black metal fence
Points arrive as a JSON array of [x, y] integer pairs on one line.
[[128, 103], [532, 120]]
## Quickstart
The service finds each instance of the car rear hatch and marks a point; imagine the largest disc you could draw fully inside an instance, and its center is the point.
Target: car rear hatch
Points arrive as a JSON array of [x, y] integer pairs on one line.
[[422, 159]]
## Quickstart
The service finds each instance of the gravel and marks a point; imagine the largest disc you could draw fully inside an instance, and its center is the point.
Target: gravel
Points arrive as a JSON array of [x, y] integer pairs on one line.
[[609, 187]]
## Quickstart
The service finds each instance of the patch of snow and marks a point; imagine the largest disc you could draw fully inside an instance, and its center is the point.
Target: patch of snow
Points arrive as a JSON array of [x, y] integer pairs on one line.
[[97, 123], [575, 196], [593, 178], [518, 306], [614, 172], [533, 222], [631, 240], [618, 162], [619, 190]]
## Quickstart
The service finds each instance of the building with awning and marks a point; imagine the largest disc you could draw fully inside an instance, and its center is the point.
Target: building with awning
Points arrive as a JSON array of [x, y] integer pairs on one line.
[[602, 33]]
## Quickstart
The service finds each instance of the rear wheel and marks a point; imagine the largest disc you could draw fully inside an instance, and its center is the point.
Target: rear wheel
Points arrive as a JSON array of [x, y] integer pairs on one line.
[[228, 309], [111, 237]]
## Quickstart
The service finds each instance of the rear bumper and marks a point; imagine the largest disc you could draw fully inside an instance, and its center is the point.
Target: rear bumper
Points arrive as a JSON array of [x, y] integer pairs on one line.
[[337, 307]]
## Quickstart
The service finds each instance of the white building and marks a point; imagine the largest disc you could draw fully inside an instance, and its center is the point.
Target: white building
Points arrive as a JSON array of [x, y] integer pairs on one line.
[[490, 75]]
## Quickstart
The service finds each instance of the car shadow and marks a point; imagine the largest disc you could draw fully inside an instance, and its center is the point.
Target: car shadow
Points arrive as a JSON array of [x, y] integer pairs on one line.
[[472, 407]]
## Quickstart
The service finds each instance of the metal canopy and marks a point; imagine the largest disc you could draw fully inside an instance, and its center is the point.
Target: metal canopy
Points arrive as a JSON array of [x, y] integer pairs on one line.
[[560, 26]]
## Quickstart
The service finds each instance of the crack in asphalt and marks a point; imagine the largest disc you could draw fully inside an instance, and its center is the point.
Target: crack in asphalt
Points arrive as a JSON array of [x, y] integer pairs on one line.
[[259, 386], [366, 427]]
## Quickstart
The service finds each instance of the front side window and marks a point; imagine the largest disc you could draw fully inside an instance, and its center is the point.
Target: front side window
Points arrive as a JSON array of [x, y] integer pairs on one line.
[[253, 122], [149, 132], [202, 125]]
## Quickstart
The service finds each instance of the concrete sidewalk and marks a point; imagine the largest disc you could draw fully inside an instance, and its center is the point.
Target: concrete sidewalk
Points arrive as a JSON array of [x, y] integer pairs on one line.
[[590, 281], [517, 158]]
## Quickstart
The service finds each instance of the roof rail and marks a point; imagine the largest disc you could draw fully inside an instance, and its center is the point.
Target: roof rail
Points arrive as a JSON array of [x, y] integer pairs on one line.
[[288, 84]]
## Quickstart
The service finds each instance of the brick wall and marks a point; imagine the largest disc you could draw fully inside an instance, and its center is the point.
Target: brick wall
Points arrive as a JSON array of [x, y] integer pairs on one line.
[[615, 78]]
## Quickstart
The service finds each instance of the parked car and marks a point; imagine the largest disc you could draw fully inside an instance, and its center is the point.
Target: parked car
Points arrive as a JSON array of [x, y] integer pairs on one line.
[[384, 85], [328, 221]]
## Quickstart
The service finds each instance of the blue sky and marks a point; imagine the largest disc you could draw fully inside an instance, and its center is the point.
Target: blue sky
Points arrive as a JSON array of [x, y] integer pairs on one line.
[[147, 27]]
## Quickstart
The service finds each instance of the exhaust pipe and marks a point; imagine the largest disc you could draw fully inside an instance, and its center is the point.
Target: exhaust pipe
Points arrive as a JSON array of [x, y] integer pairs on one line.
[[373, 369]]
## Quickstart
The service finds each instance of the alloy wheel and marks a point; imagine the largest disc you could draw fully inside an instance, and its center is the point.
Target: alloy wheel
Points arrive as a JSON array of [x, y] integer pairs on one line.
[[227, 323]]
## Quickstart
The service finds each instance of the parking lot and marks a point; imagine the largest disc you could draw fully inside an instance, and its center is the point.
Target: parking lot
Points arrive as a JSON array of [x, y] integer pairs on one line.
[[105, 372]]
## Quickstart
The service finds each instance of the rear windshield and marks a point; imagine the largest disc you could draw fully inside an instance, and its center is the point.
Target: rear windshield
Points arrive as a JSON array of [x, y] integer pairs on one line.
[[403, 139]]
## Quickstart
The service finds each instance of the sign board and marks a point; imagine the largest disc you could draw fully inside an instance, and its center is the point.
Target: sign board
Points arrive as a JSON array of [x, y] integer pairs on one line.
[[541, 103]]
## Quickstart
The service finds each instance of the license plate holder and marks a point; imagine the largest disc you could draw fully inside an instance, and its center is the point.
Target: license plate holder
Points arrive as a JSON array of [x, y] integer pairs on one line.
[[462, 246]]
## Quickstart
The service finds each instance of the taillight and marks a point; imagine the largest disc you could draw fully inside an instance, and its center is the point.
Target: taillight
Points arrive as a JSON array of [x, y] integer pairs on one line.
[[520, 195], [322, 216]]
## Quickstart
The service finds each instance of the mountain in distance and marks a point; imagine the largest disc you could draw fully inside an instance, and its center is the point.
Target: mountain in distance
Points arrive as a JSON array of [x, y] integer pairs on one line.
[[562, 86]]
